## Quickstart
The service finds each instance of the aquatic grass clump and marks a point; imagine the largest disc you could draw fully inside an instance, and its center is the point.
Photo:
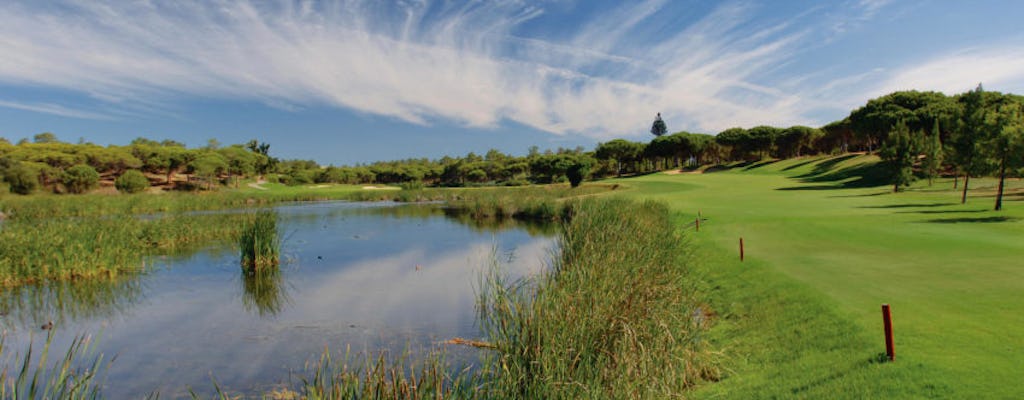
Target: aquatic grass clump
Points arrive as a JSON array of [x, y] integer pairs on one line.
[[65, 379], [383, 378], [36, 250], [259, 243], [613, 318]]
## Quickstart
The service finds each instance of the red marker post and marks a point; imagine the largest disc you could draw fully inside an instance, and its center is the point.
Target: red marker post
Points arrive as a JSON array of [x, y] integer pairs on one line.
[[697, 221], [890, 347]]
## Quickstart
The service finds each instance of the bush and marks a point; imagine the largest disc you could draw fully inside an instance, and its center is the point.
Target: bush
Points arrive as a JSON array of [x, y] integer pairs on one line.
[[476, 175], [22, 179], [576, 173], [297, 177], [80, 178], [132, 181]]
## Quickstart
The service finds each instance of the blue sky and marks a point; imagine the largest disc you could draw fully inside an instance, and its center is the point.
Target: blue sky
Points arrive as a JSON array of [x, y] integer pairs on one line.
[[356, 81]]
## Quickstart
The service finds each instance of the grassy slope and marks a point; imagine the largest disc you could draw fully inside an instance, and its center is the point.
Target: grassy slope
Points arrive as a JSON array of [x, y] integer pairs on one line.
[[802, 316]]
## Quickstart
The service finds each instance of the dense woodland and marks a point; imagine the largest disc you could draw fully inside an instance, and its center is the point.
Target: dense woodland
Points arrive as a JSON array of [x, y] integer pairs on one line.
[[917, 135]]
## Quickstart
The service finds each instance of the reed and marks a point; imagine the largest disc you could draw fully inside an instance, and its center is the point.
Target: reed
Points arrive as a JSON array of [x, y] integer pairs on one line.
[[65, 379], [100, 247], [42, 206], [384, 378], [613, 318], [489, 201], [259, 243]]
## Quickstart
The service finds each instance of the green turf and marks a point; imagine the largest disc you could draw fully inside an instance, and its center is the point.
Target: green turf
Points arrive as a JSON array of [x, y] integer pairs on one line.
[[825, 248]]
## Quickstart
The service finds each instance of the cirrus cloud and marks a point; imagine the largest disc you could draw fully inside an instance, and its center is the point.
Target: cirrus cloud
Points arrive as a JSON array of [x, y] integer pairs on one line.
[[474, 63]]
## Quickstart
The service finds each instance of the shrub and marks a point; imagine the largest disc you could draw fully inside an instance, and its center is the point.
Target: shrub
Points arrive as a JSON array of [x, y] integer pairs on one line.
[[80, 178], [476, 175], [132, 181], [578, 171], [297, 177], [22, 179]]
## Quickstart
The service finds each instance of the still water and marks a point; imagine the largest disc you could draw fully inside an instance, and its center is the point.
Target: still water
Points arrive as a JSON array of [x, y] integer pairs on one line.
[[357, 276]]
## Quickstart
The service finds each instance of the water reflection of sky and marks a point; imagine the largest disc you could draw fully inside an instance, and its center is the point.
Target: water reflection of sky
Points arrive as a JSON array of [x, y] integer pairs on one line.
[[350, 281]]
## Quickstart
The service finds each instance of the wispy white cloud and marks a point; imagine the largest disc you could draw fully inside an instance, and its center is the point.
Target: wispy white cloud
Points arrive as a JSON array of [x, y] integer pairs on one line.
[[960, 71], [604, 34], [55, 109], [871, 7], [999, 67], [421, 60]]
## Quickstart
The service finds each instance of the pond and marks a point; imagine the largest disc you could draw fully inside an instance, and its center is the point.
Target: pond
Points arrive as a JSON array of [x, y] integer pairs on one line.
[[359, 276]]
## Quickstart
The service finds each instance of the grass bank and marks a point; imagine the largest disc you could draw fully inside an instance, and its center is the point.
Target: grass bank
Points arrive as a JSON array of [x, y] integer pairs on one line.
[[618, 315], [826, 244]]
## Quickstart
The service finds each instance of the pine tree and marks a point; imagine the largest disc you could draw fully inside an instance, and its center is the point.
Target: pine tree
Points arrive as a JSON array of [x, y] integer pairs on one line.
[[658, 128], [933, 154], [899, 151]]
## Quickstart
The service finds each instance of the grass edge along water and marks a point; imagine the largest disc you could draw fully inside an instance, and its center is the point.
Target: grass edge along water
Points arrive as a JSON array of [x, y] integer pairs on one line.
[[617, 316]]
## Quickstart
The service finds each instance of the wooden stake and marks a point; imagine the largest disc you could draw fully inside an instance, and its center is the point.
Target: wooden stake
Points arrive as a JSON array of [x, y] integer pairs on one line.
[[698, 224], [741, 249], [890, 347]]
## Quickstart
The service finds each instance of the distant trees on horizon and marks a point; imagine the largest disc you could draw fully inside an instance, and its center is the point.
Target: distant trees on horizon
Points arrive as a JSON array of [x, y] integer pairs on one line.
[[915, 133]]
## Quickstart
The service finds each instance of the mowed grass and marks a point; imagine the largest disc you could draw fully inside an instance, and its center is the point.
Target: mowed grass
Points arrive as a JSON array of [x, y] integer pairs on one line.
[[801, 317]]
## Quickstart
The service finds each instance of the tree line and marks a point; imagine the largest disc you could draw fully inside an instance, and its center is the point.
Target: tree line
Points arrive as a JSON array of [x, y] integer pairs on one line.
[[46, 162], [917, 134]]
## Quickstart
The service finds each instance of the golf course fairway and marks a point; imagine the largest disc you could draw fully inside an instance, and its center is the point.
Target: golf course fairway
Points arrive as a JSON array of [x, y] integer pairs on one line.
[[825, 246]]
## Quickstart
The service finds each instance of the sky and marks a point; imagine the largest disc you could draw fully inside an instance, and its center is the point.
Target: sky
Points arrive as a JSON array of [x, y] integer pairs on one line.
[[349, 81]]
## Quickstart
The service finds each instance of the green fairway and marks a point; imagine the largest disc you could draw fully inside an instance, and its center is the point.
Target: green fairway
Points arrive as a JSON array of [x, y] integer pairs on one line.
[[801, 317]]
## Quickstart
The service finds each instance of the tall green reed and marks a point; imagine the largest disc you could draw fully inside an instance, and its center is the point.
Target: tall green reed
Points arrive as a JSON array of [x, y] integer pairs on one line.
[[63, 249], [64, 379], [613, 318], [259, 243]]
